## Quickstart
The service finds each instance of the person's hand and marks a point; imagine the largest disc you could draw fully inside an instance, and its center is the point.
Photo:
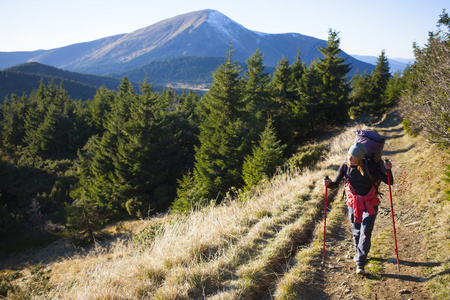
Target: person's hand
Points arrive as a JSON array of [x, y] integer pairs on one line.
[[387, 165], [326, 181]]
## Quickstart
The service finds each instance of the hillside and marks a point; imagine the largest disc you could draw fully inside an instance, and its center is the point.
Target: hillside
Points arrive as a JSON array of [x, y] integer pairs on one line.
[[44, 70], [268, 244], [192, 72], [26, 78]]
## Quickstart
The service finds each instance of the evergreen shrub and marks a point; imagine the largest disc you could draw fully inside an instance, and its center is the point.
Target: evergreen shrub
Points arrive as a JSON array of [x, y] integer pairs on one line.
[[409, 129], [308, 156], [148, 234]]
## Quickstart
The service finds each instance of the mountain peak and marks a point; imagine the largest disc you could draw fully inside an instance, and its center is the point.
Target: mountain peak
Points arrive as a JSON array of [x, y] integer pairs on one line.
[[203, 33], [222, 23]]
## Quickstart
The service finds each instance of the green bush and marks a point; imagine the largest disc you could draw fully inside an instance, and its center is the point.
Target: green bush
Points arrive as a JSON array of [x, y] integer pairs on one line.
[[148, 234], [308, 156], [132, 206], [409, 128], [6, 283], [189, 196], [37, 284]]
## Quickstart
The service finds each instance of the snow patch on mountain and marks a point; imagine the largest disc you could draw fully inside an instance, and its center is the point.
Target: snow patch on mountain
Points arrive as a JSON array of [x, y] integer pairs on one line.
[[261, 34], [224, 24]]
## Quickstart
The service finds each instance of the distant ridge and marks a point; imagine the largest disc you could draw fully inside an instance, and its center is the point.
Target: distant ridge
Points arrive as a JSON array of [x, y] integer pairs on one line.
[[204, 33], [192, 71], [44, 70], [26, 78], [395, 64]]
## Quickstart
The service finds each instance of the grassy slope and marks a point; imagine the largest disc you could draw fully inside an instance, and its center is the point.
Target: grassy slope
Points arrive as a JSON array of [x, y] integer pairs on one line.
[[421, 186], [262, 246]]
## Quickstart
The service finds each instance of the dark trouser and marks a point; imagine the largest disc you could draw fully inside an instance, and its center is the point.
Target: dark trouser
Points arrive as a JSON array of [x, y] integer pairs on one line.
[[362, 233]]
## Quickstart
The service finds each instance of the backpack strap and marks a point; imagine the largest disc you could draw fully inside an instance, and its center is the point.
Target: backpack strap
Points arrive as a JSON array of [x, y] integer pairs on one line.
[[368, 168], [369, 171]]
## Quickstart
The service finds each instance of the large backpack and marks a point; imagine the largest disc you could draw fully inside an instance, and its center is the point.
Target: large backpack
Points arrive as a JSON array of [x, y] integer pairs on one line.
[[374, 143]]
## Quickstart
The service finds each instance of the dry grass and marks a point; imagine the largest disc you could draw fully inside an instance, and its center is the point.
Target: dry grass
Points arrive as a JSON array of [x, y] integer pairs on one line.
[[291, 286], [199, 253], [422, 185], [228, 251]]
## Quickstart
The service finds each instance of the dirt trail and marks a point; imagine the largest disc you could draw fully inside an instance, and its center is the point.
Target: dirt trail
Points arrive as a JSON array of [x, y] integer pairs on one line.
[[337, 278], [383, 279]]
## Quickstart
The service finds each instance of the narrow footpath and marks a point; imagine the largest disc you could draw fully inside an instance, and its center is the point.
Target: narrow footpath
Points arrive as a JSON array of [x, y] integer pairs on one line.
[[383, 279]]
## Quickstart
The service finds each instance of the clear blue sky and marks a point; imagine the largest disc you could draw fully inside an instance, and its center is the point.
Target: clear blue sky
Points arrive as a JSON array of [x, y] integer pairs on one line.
[[365, 27]]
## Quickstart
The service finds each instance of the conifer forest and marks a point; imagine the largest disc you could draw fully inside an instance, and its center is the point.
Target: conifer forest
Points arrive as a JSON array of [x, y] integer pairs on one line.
[[70, 166]]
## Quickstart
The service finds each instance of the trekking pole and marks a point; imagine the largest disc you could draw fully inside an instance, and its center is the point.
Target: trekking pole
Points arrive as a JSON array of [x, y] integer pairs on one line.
[[325, 220], [393, 220]]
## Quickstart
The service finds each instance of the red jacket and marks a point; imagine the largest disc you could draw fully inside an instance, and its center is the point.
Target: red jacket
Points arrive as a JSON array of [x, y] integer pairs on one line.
[[360, 203]]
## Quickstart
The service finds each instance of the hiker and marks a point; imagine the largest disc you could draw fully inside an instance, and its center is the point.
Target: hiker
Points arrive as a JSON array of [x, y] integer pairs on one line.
[[362, 197]]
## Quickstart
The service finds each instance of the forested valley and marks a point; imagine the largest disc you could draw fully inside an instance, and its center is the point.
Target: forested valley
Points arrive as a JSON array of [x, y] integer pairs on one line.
[[69, 167]]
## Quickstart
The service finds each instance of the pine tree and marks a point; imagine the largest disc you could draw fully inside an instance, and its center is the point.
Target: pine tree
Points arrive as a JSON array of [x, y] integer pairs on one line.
[[152, 153], [222, 137], [45, 132], [283, 94], [33, 119], [335, 88], [359, 100], [188, 196], [395, 88], [368, 91], [379, 81], [308, 110], [187, 121], [8, 217], [381, 74], [282, 81], [257, 97], [266, 157], [80, 130], [13, 123], [99, 107], [49, 123], [84, 220], [302, 110], [134, 165], [298, 68], [100, 168]]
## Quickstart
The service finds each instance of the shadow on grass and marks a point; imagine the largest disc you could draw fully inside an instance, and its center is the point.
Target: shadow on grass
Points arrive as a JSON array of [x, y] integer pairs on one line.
[[415, 279], [413, 264]]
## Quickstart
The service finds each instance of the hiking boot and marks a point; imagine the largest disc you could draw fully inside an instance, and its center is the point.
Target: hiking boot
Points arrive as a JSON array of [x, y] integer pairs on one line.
[[360, 270]]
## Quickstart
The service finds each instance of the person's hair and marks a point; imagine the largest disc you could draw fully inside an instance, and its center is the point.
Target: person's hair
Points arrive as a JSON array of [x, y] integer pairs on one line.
[[360, 166]]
